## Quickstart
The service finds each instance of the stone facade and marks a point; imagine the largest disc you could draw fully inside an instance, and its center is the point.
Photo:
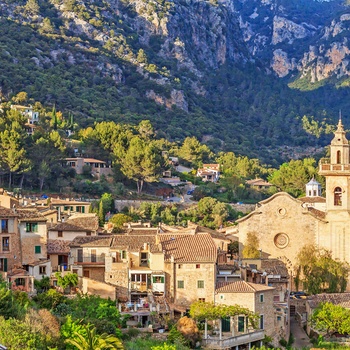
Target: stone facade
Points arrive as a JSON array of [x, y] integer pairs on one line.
[[10, 246], [281, 223], [284, 225]]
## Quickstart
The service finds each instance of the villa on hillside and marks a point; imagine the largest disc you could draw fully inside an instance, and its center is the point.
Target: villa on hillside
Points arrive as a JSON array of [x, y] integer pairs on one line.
[[98, 167]]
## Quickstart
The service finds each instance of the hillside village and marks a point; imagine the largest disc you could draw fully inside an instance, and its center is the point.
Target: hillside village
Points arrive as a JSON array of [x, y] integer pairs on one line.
[[154, 273]]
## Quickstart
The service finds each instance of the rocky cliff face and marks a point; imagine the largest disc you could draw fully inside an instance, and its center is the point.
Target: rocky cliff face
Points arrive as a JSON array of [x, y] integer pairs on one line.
[[288, 37]]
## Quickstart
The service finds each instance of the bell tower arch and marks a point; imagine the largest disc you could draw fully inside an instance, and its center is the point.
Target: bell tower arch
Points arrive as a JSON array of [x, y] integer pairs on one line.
[[336, 170]]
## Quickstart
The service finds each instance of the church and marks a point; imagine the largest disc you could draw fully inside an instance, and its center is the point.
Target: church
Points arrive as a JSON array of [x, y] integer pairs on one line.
[[284, 224]]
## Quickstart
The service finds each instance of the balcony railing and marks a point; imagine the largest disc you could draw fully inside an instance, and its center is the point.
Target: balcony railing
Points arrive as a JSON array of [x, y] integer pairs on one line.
[[233, 341], [325, 165], [89, 259], [140, 286]]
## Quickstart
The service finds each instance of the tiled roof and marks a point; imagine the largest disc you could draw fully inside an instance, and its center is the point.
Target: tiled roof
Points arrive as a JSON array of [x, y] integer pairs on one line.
[[134, 242], [65, 226], [142, 231], [313, 199], [189, 248], [87, 221], [56, 246], [30, 215], [317, 213], [274, 267], [91, 241], [56, 201], [342, 299], [241, 287], [6, 212]]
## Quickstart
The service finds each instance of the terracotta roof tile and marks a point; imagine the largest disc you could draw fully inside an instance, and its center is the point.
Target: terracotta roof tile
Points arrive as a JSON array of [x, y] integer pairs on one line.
[[313, 199], [56, 246], [6, 212], [334, 298], [65, 226], [189, 248], [134, 242], [91, 241], [87, 221], [241, 287], [275, 267], [30, 215], [317, 213], [142, 231]]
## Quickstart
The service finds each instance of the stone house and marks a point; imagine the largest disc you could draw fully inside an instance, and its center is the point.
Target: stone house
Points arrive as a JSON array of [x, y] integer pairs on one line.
[[209, 172], [87, 256], [61, 234], [98, 167], [66, 207], [10, 253], [255, 297], [33, 233], [136, 266]]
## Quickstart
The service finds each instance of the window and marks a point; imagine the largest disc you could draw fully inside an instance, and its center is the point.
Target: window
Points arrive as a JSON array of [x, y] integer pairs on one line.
[[3, 264], [338, 157], [20, 282], [5, 244], [261, 298], [59, 234], [144, 259], [200, 284], [42, 270], [158, 279], [241, 322], [38, 249], [32, 227], [279, 318], [123, 254], [80, 255], [180, 284], [88, 233], [337, 196], [198, 266], [202, 300], [179, 266], [261, 322], [93, 255], [4, 226], [221, 296]]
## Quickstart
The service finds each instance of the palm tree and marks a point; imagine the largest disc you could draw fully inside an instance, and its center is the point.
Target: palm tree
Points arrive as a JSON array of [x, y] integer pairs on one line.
[[94, 341]]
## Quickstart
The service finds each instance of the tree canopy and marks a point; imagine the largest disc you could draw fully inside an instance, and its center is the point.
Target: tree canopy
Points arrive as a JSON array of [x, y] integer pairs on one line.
[[319, 273]]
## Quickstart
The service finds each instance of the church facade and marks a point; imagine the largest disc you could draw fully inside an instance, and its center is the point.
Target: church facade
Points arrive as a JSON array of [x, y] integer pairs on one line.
[[284, 224]]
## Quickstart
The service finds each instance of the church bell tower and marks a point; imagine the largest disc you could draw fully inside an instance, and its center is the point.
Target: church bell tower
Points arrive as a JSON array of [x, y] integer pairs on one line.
[[336, 170]]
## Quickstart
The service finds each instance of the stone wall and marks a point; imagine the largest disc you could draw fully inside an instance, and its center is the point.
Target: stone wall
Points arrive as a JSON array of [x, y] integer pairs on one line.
[[99, 288]]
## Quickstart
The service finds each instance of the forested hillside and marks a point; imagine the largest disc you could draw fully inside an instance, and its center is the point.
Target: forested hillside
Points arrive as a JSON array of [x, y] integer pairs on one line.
[[238, 75]]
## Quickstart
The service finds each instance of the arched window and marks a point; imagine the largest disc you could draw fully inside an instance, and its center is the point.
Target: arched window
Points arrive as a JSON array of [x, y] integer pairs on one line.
[[337, 196], [338, 157]]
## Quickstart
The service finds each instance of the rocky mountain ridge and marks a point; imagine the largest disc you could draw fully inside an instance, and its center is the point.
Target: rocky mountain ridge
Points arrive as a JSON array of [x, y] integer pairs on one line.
[[184, 55]]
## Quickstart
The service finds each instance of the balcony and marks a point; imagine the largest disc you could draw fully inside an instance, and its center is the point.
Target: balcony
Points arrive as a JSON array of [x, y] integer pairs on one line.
[[89, 259], [228, 342], [327, 167], [140, 286]]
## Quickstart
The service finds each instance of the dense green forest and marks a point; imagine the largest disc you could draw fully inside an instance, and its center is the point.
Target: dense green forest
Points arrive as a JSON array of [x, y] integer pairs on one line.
[[32, 163]]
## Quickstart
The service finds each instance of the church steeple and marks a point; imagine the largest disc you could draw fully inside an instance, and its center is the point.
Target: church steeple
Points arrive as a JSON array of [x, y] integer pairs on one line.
[[339, 146], [336, 170]]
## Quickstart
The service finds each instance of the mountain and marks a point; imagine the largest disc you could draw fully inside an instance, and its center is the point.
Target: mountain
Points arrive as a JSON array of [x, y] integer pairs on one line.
[[238, 74]]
